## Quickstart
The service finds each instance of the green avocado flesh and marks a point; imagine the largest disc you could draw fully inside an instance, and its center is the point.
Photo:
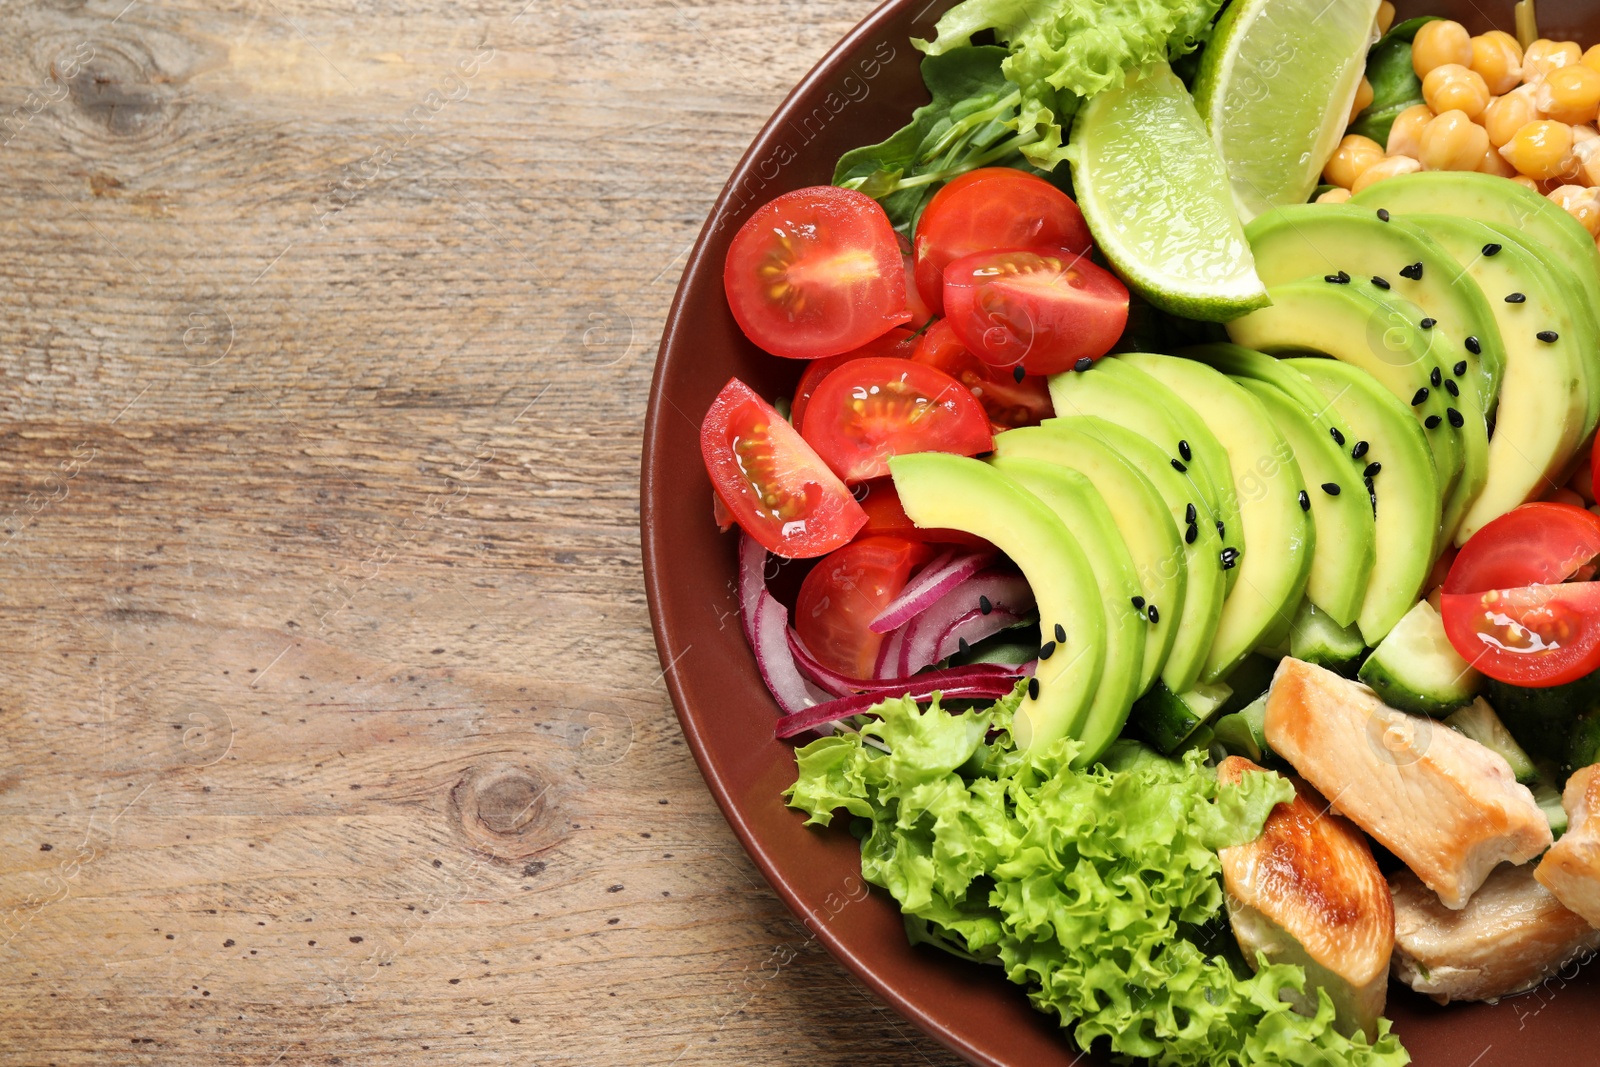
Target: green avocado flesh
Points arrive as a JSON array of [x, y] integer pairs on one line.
[[954, 492]]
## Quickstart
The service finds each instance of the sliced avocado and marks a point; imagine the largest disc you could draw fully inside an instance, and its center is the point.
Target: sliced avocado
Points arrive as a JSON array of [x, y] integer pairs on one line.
[[1204, 588], [1075, 501], [1314, 240], [956, 493], [1402, 489], [1360, 324], [1144, 524], [1273, 569], [1543, 414], [1123, 395]]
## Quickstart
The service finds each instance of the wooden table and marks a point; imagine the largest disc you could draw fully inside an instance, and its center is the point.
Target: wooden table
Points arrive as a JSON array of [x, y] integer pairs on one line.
[[333, 727]]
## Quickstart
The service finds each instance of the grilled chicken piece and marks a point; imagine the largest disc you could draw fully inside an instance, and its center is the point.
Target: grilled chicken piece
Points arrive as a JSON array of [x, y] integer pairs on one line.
[[1571, 869], [1448, 807], [1511, 936], [1308, 891]]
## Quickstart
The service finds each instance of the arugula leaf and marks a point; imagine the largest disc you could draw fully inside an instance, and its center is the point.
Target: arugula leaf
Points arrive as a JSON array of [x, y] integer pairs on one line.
[[1097, 890], [1395, 85], [970, 123]]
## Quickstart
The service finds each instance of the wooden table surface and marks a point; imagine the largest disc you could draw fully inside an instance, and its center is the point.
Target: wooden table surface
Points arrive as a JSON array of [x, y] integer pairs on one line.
[[333, 730]]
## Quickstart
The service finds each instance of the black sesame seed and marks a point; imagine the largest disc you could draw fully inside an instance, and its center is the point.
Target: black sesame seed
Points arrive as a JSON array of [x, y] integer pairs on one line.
[[1047, 650], [1455, 418], [1061, 633], [1491, 249], [1381, 283], [1338, 438], [1460, 368], [1473, 346], [1383, 214], [962, 646], [1305, 501], [1331, 488], [1414, 272], [1452, 388], [1359, 451], [1190, 534], [1344, 279], [1372, 470], [984, 605], [1185, 451], [1432, 422], [1435, 376], [1222, 531], [1138, 602], [1428, 324], [1189, 514], [1033, 688], [1178, 466], [1420, 397], [1083, 364], [1230, 556], [1153, 615], [1331, 279], [1549, 337], [1229, 564], [1515, 298], [1017, 374]]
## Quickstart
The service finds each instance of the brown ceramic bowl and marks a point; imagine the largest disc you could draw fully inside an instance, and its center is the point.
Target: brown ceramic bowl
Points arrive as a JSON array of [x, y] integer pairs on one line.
[[863, 90]]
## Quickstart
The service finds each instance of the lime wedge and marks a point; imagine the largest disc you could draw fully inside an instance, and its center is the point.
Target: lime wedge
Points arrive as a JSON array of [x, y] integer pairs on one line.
[[1275, 88], [1155, 194]]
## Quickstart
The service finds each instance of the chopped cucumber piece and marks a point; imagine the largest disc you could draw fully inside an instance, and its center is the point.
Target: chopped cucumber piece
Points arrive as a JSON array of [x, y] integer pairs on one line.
[[1316, 638], [1548, 797], [1244, 732], [1168, 719], [1416, 668], [1478, 721]]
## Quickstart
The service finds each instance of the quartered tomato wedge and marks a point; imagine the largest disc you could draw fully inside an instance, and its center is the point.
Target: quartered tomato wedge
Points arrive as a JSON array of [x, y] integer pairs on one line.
[[986, 209], [1009, 402], [1043, 308], [1517, 603], [898, 343], [845, 592], [886, 515], [816, 272], [871, 409], [771, 481]]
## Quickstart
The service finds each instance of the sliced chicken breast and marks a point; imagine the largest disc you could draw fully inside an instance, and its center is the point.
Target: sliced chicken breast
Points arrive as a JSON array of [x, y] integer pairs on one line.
[[1511, 936], [1571, 869], [1307, 891], [1448, 807]]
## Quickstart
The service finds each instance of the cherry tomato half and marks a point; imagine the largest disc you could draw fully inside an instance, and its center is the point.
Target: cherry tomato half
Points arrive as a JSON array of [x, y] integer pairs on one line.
[[845, 592], [898, 343], [886, 515], [775, 486], [870, 409], [1042, 308], [1010, 403], [816, 272], [986, 209], [1594, 469], [1507, 606]]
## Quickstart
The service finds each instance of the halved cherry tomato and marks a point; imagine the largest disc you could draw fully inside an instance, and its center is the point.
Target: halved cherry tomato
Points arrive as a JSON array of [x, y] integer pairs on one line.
[[1507, 604], [816, 272], [1042, 308], [1010, 403], [1594, 469], [845, 592], [920, 312], [898, 343], [774, 485], [886, 515], [986, 209], [870, 409]]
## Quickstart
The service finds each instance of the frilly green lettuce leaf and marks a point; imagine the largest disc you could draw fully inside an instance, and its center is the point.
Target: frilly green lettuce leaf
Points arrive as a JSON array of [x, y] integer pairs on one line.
[[1094, 889]]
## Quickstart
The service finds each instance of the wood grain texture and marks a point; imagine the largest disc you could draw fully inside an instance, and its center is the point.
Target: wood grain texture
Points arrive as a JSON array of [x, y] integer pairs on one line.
[[333, 728]]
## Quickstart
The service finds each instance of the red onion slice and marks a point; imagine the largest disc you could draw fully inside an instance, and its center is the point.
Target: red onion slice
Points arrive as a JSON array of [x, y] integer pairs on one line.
[[840, 685], [940, 576], [834, 710], [1007, 595], [752, 584], [889, 655], [778, 669]]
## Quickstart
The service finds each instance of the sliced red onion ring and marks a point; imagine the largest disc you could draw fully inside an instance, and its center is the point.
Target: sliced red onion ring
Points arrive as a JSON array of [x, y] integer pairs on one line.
[[840, 685], [889, 655], [1007, 594], [788, 686], [971, 628], [834, 710], [943, 574], [752, 584]]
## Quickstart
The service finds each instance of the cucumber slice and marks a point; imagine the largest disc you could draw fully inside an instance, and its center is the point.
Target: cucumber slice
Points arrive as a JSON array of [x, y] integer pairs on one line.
[[1316, 638], [1478, 721], [1416, 668], [1548, 797], [1168, 719], [1244, 733]]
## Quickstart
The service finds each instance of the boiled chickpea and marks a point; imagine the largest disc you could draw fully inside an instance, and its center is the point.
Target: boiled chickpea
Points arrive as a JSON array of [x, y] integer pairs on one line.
[[1333, 196], [1570, 94], [1507, 114], [1453, 87], [1527, 183], [1586, 153], [1453, 141], [1494, 163], [1543, 56], [1541, 149], [1497, 57], [1353, 156], [1385, 17], [1388, 168], [1591, 58], [1581, 203], [1438, 43], [1405, 136], [1363, 100]]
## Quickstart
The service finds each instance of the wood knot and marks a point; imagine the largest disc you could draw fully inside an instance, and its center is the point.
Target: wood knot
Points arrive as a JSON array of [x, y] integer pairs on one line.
[[504, 810], [115, 92]]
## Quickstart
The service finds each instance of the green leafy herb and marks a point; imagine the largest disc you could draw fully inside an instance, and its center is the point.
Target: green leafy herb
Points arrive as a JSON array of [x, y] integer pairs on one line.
[[1096, 890], [1065, 50], [1395, 86]]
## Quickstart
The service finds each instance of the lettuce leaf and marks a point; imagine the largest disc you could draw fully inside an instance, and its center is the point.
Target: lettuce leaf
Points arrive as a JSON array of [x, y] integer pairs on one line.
[[1066, 50], [1098, 890]]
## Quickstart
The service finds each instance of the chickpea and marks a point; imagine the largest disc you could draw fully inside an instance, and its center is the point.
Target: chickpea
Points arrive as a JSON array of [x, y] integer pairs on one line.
[[1494, 163], [1405, 136], [1453, 87], [1543, 56], [1388, 168], [1438, 43], [1453, 142], [1570, 94], [1540, 149], [1354, 155], [1586, 152], [1581, 203], [1363, 100], [1497, 58], [1334, 196], [1527, 183], [1385, 17], [1507, 114], [1591, 58]]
